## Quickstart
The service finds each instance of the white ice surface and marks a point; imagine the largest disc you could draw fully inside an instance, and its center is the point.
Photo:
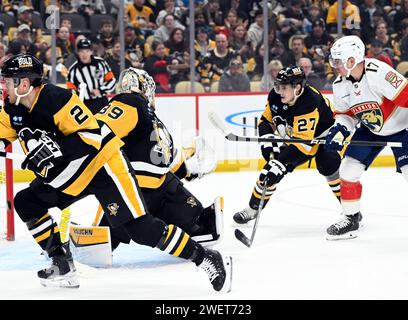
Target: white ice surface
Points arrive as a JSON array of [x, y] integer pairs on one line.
[[290, 258]]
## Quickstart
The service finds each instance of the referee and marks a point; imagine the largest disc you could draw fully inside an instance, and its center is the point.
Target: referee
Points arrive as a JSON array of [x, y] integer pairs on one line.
[[95, 73]]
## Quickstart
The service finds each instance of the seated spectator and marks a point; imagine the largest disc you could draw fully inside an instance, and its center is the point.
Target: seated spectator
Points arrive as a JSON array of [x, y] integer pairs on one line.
[[105, 37], [294, 14], [156, 66], [24, 36], [255, 66], [176, 42], [255, 31], [278, 52], [113, 59], [66, 22], [88, 8], [63, 42], [350, 14], [24, 16], [319, 36], [229, 23], [296, 52], [234, 79], [319, 63], [62, 71], [368, 11], [169, 8], [202, 44], [313, 14], [376, 51], [216, 61], [404, 41], [312, 79], [213, 12], [268, 81], [178, 66], [162, 34], [138, 9], [201, 23], [240, 43], [287, 30], [1, 32], [400, 15], [135, 44]]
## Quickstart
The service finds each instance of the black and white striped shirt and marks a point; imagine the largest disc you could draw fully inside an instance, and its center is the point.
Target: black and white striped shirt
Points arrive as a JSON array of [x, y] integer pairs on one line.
[[96, 75]]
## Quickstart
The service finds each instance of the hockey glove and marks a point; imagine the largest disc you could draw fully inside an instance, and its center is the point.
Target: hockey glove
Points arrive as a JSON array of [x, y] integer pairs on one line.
[[336, 137], [274, 171], [269, 149], [42, 153]]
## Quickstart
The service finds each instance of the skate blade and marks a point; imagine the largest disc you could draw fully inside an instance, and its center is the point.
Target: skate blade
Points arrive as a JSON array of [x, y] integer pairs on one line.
[[227, 261], [346, 236], [66, 281], [248, 224]]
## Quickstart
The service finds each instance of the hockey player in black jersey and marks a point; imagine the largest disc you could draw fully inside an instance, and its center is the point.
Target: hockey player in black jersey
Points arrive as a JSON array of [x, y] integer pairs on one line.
[[158, 165], [74, 155], [293, 110]]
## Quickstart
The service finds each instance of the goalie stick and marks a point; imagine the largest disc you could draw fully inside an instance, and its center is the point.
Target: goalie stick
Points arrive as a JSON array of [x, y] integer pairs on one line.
[[239, 234], [218, 124]]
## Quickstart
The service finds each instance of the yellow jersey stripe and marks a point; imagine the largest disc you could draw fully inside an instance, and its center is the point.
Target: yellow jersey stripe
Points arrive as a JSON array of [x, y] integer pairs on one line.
[[182, 245]]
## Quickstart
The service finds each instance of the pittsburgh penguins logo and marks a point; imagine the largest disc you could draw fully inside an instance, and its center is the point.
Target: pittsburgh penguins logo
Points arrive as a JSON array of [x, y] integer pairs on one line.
[[113, 208]]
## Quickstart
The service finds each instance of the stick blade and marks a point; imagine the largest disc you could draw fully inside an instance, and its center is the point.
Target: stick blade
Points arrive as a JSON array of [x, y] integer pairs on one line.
[[242, 237], [217, 122]]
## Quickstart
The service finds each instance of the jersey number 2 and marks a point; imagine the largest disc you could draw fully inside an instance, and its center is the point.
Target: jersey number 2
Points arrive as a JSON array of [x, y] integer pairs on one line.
[[79, 115], [303, 124]]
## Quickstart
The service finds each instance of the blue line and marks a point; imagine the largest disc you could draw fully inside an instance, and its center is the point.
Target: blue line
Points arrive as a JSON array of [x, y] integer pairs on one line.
[[229, 118]]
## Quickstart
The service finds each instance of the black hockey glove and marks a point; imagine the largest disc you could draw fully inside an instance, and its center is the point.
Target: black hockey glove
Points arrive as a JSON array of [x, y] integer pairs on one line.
[[270, 150], [43, 151], [336, 137], [274, 171]]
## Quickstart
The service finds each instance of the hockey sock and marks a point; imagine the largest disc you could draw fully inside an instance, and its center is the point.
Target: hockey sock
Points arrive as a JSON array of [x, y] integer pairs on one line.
[[257, 195], [350, 196], [334, 184], [46, 233], [177, 243]]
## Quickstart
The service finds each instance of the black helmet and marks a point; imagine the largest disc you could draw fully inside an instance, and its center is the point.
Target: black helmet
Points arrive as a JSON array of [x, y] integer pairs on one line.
[[23, 65], [291, 75], [84, 44]]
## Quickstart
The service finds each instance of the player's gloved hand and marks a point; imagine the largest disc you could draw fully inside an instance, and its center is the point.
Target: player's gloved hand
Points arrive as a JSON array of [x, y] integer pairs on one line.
[[336, 137], [274, 171], [269, 148], [42, 152]]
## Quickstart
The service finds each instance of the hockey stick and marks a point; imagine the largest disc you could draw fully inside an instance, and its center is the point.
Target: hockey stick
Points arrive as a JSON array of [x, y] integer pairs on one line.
[[218, 124], [239, 234], [66, 212], [12, 156]]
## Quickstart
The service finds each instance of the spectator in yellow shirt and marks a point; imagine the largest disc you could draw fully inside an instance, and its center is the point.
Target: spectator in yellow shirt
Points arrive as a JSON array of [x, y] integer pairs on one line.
[[350, 14], [139, 10]]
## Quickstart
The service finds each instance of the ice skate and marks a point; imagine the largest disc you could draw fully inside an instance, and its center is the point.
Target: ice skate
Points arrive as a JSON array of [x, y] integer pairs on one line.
[[245, 215], [61, 273], [218, 269], [346, 228]]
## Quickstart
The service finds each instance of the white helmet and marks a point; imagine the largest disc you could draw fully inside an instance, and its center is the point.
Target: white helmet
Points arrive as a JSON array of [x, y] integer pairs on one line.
[[139, 81], [345, 48]]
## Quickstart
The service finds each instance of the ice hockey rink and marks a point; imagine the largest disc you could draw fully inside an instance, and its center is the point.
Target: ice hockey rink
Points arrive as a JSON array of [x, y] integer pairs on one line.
[[290, 257]]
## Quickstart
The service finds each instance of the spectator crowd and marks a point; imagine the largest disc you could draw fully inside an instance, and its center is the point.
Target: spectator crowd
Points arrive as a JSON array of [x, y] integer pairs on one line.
[[229, 46]]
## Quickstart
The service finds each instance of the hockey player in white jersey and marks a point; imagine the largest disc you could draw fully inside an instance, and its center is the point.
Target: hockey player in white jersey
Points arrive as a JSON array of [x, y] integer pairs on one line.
[[371, 101]]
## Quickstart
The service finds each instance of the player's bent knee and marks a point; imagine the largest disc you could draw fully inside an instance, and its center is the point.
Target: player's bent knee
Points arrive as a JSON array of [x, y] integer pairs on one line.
[[328, 163], [351, 169], [146, 230], [27, 205]]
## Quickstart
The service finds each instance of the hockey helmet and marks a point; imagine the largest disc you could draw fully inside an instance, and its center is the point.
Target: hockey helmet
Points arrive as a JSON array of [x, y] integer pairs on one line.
[[291, 75], [345, 48], [23, 65], [139, 81]]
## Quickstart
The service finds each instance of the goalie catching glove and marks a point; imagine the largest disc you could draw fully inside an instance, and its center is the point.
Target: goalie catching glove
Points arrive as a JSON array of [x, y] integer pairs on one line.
[[43, 149], [273, 171]]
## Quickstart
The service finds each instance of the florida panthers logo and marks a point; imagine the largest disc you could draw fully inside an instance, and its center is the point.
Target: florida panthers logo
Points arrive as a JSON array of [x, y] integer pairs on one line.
[[370, 115]]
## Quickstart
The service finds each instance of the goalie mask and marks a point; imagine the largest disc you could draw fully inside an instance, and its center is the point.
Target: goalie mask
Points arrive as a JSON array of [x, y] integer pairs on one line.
[[19, 67], [139, 81]]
